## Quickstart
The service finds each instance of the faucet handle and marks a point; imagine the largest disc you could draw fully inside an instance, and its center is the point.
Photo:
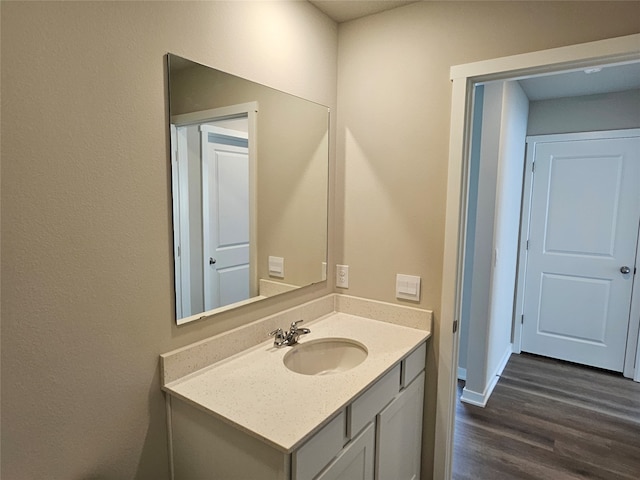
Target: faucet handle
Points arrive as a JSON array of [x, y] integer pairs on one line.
[[276, 332], [294, 325], [280, 339]]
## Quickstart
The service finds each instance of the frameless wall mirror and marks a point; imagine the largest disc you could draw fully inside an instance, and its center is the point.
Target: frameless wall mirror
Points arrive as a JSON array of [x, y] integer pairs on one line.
[[249, 185]]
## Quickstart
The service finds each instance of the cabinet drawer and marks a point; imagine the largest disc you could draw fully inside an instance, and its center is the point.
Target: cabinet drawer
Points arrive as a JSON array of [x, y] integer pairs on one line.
[[413, 365], [312, 457], [366, 406]]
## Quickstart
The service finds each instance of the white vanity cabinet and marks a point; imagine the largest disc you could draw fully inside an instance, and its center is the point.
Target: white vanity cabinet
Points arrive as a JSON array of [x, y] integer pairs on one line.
[[399, 435], [356, 461], [377, 436]]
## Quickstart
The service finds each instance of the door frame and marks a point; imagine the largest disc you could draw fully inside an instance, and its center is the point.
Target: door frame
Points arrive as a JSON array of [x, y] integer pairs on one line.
[[180, 226], [250, 110], [629, 369], [464, 77]]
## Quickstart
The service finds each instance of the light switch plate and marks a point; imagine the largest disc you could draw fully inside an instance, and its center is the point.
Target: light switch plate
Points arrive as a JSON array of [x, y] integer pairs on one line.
[[342, 276], [408, 287], [276, 267]]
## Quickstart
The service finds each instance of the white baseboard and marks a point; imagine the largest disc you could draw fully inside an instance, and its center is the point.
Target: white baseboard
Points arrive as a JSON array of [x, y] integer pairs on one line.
[[504, 361], [462, 373], [480, 399], [475, 398], [515, 348]]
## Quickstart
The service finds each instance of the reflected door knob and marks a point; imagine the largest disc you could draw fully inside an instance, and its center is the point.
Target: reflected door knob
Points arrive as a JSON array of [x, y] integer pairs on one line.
[[625, 269]]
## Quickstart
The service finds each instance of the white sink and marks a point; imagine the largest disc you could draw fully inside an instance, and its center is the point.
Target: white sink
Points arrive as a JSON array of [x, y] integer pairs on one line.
[[325, 356]]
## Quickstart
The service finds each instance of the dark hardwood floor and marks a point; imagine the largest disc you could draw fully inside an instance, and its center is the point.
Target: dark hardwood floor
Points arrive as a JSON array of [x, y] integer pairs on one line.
[[551, 420]]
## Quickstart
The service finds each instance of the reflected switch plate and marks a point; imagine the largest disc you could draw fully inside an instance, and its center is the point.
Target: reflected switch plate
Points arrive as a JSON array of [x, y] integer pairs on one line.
[[408, 287]]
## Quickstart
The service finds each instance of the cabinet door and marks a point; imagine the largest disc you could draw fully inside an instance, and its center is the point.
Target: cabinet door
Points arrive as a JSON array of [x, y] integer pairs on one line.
[[399, 435], [356, 461], [319, 450]]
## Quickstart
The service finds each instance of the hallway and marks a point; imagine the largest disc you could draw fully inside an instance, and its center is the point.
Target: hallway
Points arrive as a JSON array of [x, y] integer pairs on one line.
[[549, 419]]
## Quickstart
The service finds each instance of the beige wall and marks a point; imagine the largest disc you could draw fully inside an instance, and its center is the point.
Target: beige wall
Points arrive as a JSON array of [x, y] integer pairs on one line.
[[292, 166], [606, 111], [86, 215], [86, 252], [393, 129]]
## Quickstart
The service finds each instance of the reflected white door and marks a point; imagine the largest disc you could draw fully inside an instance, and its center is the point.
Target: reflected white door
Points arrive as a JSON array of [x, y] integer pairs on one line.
[[225, 192], [585, 210]]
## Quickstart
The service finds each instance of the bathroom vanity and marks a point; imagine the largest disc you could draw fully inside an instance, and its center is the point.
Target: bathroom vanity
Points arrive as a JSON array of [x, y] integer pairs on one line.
[[346, 401], [252, 415]]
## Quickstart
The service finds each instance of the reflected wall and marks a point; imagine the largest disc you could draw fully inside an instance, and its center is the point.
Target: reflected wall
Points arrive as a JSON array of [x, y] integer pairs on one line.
[[291, 173]]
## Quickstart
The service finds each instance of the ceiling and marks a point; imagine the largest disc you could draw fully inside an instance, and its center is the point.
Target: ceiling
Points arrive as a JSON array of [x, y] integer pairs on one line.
[[614, 78], [345, 10]]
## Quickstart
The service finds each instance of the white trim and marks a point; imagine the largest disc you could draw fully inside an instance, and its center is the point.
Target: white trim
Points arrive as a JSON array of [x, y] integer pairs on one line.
[[601, 52], [636, 375], [180, 184], [475, 398], [224, 131], [573, 137], [175, 194], [631, 361], [503, 363], [481, 399], [214, 114], [522, 248], [209, 283], [453, 261], [621, 49], [253, 199]]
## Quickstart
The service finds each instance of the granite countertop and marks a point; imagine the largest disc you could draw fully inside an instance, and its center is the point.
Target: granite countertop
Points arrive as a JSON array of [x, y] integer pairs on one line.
[[256, 393]]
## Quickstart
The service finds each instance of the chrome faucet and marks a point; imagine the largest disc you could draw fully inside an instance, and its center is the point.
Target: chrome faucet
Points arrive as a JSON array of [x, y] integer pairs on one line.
[[290, 338]]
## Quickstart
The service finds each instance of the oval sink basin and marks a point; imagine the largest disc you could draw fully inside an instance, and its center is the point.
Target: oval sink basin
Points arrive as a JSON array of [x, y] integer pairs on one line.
[[325, 356]]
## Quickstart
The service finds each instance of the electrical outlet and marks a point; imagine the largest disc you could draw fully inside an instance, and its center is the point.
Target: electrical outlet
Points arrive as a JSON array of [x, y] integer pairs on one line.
[[342, 276]]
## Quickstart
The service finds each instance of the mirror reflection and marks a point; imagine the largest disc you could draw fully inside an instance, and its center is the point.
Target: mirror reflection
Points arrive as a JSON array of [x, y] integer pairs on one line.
[[249, 171]]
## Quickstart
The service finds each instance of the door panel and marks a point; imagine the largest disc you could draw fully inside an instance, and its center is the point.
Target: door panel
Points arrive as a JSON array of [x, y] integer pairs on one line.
[[232, 195], [226, 221], [581, 298], [583, 227], [583, 197], [233, 284]]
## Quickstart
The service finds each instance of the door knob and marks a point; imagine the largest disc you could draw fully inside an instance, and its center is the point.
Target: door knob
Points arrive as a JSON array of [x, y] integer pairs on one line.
[[212, 261], [625, 269]]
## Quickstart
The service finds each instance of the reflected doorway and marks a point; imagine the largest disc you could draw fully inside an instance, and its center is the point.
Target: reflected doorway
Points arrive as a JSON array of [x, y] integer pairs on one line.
[[212, 170]]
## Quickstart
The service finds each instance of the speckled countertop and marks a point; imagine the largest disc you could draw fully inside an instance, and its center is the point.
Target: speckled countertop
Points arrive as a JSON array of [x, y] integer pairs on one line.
[[255, 392]]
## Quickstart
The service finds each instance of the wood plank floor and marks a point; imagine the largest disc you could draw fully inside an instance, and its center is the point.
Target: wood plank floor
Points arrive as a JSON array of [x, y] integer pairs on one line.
[[551, 420]]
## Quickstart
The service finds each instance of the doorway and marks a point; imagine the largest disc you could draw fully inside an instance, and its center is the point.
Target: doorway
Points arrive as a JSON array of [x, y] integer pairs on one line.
[[595, 54], [214, 208], [502, 120]]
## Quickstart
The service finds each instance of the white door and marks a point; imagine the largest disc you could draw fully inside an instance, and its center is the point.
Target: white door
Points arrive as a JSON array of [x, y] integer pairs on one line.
[[585, 210], [225, 199]]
